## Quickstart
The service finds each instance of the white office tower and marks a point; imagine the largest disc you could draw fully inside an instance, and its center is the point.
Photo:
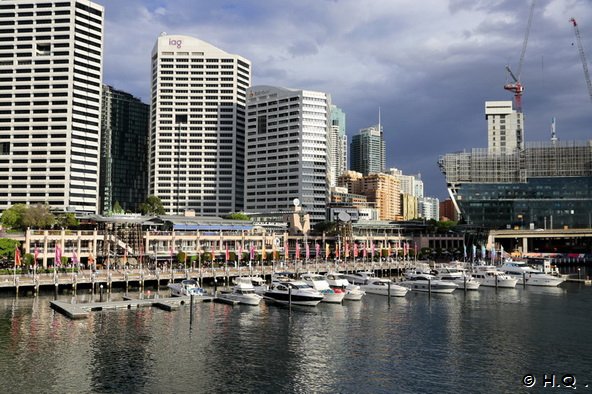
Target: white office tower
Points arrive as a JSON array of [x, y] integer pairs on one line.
[[410, 184], [429, 208], [197, 126], [287, 150], [505, 127], [50, 99], [337, 144]]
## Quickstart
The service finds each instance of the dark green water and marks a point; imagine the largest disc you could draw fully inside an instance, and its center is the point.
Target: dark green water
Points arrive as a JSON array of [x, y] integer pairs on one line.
[[483, 341]]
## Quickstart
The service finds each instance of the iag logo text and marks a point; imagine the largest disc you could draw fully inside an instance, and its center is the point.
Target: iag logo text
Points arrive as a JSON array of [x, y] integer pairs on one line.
[[176, 43]]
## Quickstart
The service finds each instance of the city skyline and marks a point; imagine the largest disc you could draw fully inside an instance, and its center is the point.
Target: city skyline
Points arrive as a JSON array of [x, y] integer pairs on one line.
[[441, 62]]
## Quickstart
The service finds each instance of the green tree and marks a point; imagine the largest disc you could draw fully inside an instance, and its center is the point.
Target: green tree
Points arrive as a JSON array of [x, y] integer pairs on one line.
[[238, 216], [152, 206], [7, 247], [38, 216], [13, 216], [329, 228], [67, 220], [117, 209]]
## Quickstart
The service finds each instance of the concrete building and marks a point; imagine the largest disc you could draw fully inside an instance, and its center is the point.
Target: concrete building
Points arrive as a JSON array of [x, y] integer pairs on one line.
[[286, 150], [409, 207], [429, 208], [337, 145], [368, 151], [349, 180], [197, 133], [51, 63], [124, 150], [385, 192], [447, 210], [505, 127]]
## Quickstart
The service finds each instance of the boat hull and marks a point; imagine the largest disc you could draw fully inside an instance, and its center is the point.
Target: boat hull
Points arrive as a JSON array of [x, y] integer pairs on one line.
[[253, 300], [295, 299], [426, 287], [396, 291]]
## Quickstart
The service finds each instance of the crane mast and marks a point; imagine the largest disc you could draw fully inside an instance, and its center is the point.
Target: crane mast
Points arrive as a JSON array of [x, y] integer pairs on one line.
[[582, 56], [517, 86]]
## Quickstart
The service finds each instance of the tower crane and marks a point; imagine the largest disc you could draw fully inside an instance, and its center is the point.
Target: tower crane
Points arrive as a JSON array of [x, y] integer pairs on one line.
[[517, 86], [582, 56]]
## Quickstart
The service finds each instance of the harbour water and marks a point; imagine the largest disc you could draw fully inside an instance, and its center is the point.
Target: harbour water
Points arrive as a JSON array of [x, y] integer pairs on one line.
[[480, 341]]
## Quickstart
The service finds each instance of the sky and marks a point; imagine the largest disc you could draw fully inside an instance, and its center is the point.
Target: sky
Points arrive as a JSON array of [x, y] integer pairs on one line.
[[428, 65]]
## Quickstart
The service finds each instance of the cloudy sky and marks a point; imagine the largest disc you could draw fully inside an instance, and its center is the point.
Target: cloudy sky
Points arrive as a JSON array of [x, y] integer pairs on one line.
[[429, 65]]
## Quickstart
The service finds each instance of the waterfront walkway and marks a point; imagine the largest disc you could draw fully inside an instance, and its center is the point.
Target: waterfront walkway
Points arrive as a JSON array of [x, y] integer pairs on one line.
[[215, 275]]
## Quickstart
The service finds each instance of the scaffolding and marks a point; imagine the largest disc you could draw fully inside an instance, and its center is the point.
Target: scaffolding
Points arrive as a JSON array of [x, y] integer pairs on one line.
[[536, 160]]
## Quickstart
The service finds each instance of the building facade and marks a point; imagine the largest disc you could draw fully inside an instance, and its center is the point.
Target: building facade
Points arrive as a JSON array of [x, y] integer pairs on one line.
[[385, 192], [429, 208], [368, 151], [505, 127], [547, 185], [287, 151], [337, 145], [51, 61], [197, 130], [124, 150]]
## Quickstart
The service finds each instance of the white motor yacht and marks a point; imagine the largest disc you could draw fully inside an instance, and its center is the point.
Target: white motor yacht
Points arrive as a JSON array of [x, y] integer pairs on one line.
[[319, 283], [427, 283], [381, 286], [457, 276], [488, 275], [293, 291], [360, 278], [257, 282], [186, 287], [523, 273], [243, 292], [337, 280]]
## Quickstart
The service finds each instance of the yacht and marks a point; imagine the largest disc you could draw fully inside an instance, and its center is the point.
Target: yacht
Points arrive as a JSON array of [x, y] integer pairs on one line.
[[427, 283], [522, 272], [243, 292], [186, 287], [258, 283], [337, 280], [381, 286], [319, 283], [488, 275], [296, 292], [457, 276], [360, 278]]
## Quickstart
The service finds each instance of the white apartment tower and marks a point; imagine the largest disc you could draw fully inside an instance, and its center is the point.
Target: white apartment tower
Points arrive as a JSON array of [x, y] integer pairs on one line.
[[505, 127], [287, 152], [50, 99], [197, 126]]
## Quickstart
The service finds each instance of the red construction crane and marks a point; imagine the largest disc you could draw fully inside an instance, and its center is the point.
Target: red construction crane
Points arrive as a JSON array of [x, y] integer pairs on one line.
[[582, 56], [516, 86]]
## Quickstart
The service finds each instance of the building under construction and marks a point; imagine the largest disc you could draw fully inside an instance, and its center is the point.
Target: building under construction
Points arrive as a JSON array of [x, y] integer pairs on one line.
[[545, 185]]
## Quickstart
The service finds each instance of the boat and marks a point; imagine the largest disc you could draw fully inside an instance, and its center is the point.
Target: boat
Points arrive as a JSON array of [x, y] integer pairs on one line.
[[360, 278], [186, 287], [337, 280], [319, 283], [381, 286], [457, 276], [293, 291], [257, 282], [427, 283], [525, 274], [243, 292], [488, 275]]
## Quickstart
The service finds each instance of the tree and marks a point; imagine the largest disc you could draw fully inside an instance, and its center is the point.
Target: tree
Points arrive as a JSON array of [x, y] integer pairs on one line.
[[13, 216], [152, 206], [325, 227], [67, 220], [38, 216], [7, 247], [117, 209], [238, 216]]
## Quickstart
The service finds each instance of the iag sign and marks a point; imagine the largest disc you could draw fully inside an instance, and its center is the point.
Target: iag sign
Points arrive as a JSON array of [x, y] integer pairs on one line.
[[176, 43]]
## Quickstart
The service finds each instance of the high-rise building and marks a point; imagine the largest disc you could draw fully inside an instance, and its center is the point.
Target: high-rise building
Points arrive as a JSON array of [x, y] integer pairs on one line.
[[337, 143], [287, 152], [429, 208], [505, 127], [384, 191], [124, 150], [410, 184], [197, 126], [50, 98], [368, 151]]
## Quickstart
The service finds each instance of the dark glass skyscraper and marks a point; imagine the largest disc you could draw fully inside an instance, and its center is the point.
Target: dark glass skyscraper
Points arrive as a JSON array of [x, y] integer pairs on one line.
[[368, 151], [124, 150]]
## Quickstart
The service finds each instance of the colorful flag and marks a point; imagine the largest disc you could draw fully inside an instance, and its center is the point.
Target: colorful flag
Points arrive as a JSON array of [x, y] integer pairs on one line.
[[355, 250], [307, 247], [252, 252], [17, 256], [58, 256], [75, 257], [327, 251], [297, 251], [36, 255], [373, 248], [317, 250], [226, 253], [364, 251], [239, 257], [286, 251], [346, 249], [263, 252]]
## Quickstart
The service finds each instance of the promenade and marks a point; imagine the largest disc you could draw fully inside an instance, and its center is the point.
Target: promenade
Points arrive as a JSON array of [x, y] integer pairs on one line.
[[219, 275]]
